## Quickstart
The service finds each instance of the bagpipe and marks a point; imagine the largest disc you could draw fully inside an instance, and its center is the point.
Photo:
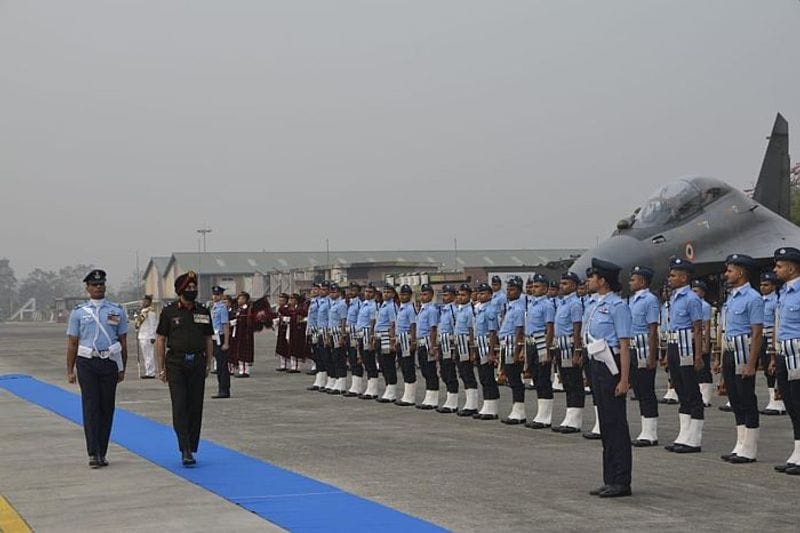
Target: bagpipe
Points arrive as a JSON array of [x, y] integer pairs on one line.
[[263, 314]]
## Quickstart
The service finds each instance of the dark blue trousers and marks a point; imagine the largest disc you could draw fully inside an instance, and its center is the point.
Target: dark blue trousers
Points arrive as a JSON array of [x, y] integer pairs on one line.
[[616, 438], [98, 380], [741, 393]]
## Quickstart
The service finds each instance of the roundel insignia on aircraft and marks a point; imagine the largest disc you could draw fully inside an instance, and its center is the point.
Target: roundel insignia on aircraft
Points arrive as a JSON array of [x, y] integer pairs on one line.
[[689, 251]]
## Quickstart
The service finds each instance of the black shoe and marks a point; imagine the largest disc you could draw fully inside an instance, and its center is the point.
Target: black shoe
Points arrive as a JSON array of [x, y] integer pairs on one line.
[[348, 394], [530, 387], [213, 372], [671, 447], [592, 436], [667, 401], [727, 456], [401, 403], [782, 468], [446, 410], [565, 430], [485, 417], [772, 412], [738, 459], [334, 391], [293, 371], [187, 459], [221, 395], [101, 460], [684, 448], [385, 400], [615, 491], [467, 412], [281, 370], [152, 377], [313, 388], [706, 405], [536, 425], [793, 470], [310, 372], [94, 462], [644, 443], [513, 421], [367, 397], [726, 408], [634, 399], [245, 375], [426, 407], [598, 490]]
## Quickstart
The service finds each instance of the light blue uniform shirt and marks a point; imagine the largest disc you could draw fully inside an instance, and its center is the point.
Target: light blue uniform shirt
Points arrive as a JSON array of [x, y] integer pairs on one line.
[[770, 305], [447, 318], [313, 305], [366, 314], [465, 316], [684, 309], [789, 311], [352, 311], [744, 308], [427, 318], [645, 310], [485, 319], [405, 317], [540, 312], [82, 324], [568, 312], [219, 316], [610, 320], [323, 308], [514, 318], [706, 310], [588, 305], [387, 315], [337, 312], [499, 301]]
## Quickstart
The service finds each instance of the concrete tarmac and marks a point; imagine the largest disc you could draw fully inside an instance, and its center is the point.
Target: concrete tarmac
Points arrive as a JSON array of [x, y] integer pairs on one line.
[[459, 473]]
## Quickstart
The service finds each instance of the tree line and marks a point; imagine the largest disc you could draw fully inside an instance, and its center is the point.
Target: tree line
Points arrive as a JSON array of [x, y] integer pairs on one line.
[[47, 285]]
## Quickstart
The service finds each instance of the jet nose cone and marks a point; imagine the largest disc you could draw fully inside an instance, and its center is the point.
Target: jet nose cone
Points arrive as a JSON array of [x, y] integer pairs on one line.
[[621, 250]]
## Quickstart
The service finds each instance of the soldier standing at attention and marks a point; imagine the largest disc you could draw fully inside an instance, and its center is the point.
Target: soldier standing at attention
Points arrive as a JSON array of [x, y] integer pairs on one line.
[[184, 346], [222, 334], [684, 356], [146, 322], [609, 330], [96, 344]]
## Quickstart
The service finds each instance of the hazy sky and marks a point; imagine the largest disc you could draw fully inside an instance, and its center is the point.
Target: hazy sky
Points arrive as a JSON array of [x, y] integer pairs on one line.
[[125, 125]]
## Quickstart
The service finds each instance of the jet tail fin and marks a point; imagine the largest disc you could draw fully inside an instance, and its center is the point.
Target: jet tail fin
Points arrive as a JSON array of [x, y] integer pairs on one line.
[[772, 188]]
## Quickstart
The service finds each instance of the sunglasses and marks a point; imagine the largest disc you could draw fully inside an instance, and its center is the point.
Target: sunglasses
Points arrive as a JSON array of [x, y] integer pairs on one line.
[[97, 284]]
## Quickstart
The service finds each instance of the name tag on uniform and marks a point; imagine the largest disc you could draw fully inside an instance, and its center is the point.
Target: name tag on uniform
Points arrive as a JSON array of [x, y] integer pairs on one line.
[[202, 319], [113, 319]]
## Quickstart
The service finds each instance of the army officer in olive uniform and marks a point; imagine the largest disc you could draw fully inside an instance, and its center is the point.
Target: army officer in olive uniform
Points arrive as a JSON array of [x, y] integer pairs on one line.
[[184, 348]]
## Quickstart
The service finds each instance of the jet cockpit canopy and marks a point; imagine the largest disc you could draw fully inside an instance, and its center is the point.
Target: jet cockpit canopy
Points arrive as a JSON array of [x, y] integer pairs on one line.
[[678, 201]]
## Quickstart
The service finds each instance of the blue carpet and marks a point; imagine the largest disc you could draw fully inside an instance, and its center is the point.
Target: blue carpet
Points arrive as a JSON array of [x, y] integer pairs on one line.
[[290, 500]]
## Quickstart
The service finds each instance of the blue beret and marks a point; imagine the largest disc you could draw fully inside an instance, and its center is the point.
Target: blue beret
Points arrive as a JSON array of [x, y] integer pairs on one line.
[[333, 286], [676, 263], [553, 283], [389, 286], [742, 260], [644, 271], [787, 254], [465, 287], [216, 289], [496, 279], [354, 285], [426, 287], [325, 284], [700, 284], [405, 289], [449, 288], [483, 287]]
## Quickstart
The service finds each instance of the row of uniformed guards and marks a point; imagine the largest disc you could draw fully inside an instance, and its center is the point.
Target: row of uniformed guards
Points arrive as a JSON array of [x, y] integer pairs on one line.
[[567, 353], [538, 336]]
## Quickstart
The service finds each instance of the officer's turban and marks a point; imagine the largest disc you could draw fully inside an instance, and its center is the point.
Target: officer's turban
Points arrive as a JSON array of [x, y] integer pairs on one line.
[[183, 281]]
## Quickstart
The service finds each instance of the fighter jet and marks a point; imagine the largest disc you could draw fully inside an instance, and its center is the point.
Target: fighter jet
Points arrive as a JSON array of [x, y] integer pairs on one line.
[[705, 219]]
